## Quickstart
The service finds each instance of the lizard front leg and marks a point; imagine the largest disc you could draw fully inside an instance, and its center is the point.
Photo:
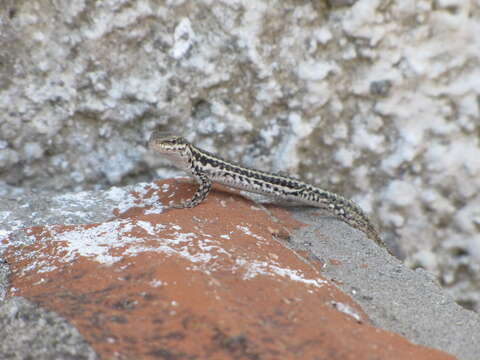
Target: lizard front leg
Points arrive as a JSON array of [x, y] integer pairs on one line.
[[205, 185]]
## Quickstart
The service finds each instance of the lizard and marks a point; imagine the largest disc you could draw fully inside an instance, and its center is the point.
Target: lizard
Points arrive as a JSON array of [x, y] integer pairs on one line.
[[207, 168]]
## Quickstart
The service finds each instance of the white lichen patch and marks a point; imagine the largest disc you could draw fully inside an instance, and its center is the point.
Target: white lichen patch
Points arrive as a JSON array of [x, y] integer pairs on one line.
[[246, 230], [157, 283], [109, 242], [99, 242], [253, 269], [128, 197], [347, 309]]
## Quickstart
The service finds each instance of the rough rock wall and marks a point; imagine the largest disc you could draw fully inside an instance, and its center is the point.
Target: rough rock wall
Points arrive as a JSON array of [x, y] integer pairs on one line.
[[377, 100]]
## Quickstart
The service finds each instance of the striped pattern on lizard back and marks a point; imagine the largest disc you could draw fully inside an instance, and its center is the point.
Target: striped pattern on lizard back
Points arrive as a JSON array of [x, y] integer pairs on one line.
[[206, 167]]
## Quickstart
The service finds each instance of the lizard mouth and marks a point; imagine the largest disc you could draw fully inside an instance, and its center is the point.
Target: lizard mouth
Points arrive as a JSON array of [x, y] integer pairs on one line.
[[164, 141]]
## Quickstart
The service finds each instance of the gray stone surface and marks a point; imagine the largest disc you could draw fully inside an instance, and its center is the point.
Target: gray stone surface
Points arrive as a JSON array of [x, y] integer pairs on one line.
[[50, 207], [4, 273], [30, 332], [405, 301]]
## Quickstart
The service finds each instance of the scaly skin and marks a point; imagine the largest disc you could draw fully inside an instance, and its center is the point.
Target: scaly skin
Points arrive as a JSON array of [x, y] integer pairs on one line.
[[207, 168]]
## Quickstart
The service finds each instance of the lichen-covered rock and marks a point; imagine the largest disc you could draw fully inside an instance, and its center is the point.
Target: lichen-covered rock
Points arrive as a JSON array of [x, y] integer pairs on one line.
[[362, 97]]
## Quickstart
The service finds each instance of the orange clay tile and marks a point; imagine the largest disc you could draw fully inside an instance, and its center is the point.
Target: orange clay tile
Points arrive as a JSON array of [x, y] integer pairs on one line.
[[212, 282]]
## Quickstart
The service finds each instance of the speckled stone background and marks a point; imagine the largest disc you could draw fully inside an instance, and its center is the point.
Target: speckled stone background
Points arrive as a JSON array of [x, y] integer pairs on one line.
[[376, 100]]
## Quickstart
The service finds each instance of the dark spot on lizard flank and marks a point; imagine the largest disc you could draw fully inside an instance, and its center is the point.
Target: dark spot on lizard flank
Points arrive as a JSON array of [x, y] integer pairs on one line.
[[296, 184], [230, 174], [227, 167], [298, 193], [246, 173], [275, 180], [266, 178], [12, 13], [206, 161], [256, 182], [285, 183], [281, 182], [241, 171], [202, 159]]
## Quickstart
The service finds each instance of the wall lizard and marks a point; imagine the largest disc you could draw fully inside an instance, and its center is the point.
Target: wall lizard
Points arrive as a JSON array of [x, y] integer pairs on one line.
[[207, 168]]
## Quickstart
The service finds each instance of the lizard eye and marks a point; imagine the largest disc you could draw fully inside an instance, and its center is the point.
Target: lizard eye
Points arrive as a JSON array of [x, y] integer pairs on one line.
[[166, 141]]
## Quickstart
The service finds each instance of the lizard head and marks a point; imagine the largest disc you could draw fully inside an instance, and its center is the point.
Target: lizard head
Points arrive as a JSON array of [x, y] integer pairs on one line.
[[164, 142]]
